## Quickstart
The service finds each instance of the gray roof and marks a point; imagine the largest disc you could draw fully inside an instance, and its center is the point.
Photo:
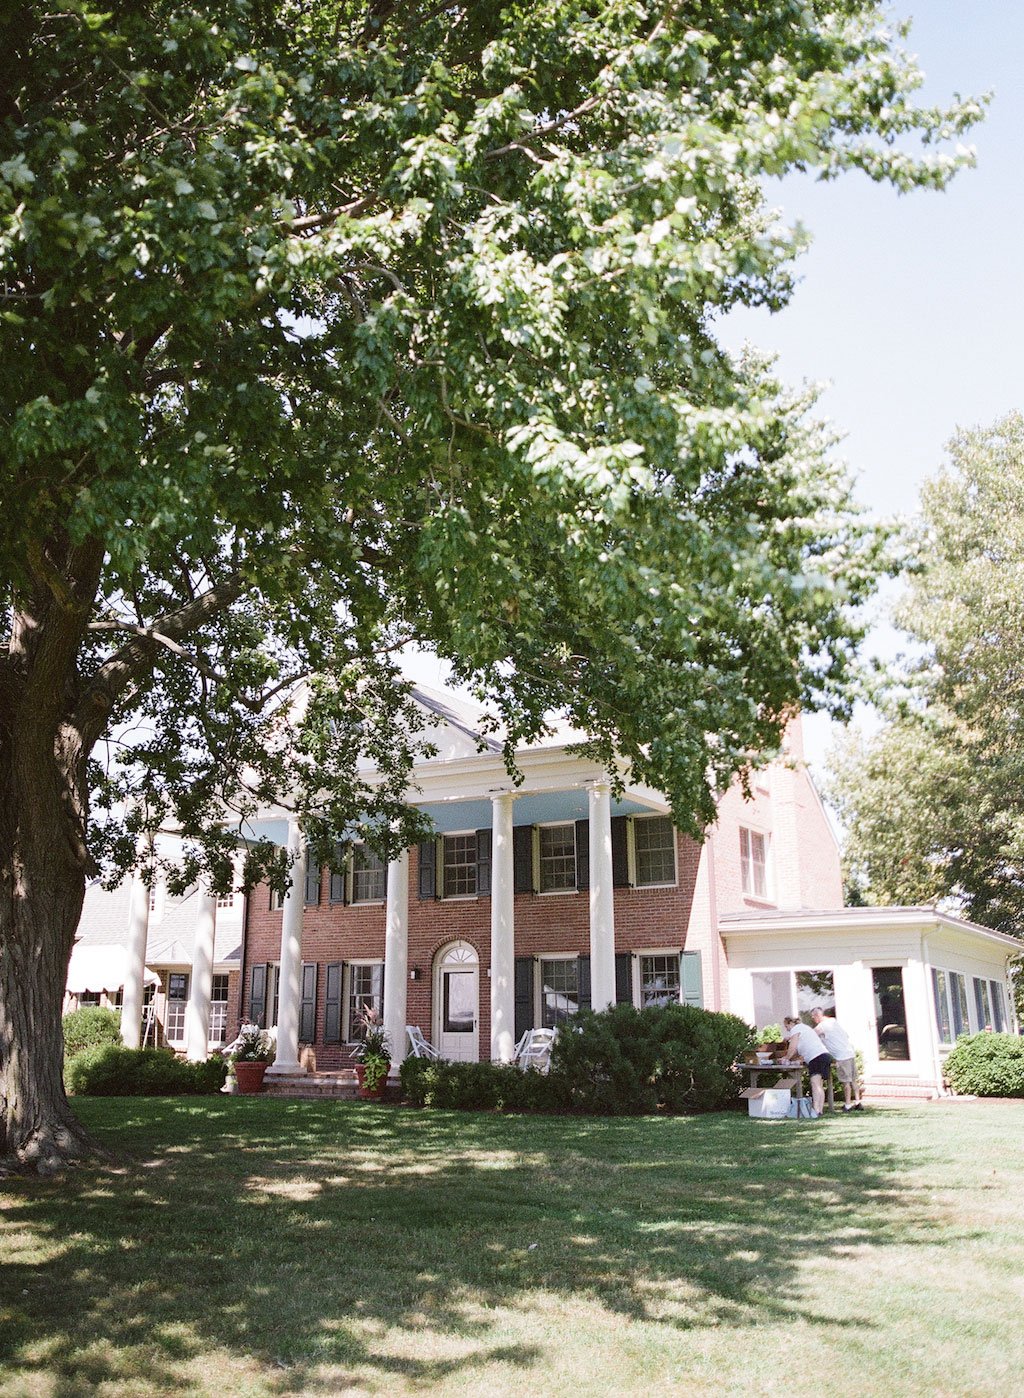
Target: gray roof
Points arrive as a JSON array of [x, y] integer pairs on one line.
[[105, 917]]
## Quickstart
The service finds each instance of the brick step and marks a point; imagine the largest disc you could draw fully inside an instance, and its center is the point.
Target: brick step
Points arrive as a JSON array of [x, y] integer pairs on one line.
[[877, 1089], [312, 1085]]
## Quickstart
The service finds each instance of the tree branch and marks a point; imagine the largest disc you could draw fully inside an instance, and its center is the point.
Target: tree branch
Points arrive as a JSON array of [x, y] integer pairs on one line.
[[133, 660]]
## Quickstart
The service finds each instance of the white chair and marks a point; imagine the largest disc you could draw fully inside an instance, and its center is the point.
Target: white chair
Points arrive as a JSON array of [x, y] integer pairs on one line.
[[534, 1049], [418, 1044]]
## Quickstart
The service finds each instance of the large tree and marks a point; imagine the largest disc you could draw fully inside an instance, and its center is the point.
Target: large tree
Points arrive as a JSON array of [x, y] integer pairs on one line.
[[933, 801], [330, 326]]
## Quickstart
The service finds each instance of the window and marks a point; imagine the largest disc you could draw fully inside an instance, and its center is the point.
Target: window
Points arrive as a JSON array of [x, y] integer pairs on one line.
[[997, 1008], [177, 997], [557, 858], [88, 998], [226, 900], [997, 1019], [943, 1009], [753, 866], [459, 866], [659, 980], [365, 991], [958, 1003], [276, 900], [815, 988], [654, 850], [773, 996], [559, 990], [982, 1003], [219, 1010], [152, 898], [367, 875]]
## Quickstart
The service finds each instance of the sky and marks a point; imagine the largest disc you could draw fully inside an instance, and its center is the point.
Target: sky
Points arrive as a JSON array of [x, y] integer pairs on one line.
[[911, 307]]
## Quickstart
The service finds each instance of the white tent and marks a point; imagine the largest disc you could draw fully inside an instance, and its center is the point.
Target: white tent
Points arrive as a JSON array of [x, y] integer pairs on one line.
[[99, 968]]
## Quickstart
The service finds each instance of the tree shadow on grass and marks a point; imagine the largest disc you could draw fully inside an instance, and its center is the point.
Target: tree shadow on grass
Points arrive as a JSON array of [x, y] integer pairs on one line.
[[286, 1244]]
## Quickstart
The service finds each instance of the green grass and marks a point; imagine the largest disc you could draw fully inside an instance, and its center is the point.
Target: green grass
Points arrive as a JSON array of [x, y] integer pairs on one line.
[[250, 1247]]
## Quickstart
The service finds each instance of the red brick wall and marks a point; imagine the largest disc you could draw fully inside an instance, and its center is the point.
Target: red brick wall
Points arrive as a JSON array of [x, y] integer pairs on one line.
[[552, 923]]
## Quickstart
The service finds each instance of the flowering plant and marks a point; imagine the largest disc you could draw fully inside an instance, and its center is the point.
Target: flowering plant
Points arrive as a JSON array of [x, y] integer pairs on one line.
[[253, 1045], [373, 1050]]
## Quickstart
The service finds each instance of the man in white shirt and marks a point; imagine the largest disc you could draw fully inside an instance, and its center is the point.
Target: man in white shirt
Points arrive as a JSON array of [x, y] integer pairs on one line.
[[804, 1043], [840, 1046]]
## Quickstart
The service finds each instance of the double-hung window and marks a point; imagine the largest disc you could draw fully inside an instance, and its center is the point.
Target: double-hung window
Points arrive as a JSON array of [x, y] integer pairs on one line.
[[559, 990], [365, 992], [753, 863], [654, 851], [556, 858], [659, 979], [458, 871], [219, 1009], [367, 875]]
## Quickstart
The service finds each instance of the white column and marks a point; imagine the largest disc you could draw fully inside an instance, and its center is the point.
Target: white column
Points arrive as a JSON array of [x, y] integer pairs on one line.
[[198, 1034], [396, 957], [135, 962], [503, 965], [289, 988], [602, 902]]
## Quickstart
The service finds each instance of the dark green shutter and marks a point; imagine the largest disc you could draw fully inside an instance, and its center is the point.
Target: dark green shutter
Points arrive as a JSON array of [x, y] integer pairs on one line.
[[690, 978], [522, 862], [258, 996], [623, 978], [332, 1002], [583, 982], [307, 1004], [524, 993], [483, 861], [583, 854], [620, 851], [338, 868], [428, 869], [312, 883]]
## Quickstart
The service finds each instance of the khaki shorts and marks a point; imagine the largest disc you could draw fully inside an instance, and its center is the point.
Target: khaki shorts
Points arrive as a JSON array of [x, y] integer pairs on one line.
[[846, 1069]]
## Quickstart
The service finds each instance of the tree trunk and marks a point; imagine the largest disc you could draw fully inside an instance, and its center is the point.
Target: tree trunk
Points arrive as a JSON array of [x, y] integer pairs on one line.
[[43, 858], [39, 912]]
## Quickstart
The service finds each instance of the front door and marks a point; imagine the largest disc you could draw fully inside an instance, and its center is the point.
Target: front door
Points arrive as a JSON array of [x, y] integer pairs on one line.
[[457, 1000], [890, 1014]]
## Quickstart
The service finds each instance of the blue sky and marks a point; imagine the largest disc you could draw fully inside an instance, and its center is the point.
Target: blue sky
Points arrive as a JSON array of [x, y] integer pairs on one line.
[[912, 306]]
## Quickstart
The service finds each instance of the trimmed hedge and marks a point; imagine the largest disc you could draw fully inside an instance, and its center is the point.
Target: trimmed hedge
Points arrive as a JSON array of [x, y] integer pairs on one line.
[[620, 1062], [987, 1065], [113, 1071], [88, 1028]]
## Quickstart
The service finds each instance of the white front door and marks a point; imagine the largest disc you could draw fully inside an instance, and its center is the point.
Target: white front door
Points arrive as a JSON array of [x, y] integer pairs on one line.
[[457, 1002]]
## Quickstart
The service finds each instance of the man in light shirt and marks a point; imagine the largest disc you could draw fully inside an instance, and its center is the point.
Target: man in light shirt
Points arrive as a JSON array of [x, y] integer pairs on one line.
[[804, 1043], [840, 1046]]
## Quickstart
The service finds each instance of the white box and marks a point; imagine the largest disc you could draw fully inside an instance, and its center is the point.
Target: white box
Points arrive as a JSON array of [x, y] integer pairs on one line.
[[769, 1103]]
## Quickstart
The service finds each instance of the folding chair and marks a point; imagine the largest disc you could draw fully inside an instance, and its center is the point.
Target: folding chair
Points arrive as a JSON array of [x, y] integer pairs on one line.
[[534, 1049], [418, 1044]]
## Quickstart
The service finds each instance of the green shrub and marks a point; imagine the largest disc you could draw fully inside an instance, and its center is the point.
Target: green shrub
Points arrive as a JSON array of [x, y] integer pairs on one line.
[[479, 1087], [110, 1070], [987, 1065], [90, 1027], [625, 1061]]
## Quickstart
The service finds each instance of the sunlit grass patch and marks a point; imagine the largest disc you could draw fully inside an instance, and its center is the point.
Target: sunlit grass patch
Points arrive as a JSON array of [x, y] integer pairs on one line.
[[262, 1248]]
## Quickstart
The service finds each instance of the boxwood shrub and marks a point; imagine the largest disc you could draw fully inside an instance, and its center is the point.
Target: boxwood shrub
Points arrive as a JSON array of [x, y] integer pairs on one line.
[[90, 1027], [987, 1065], [111, 1070], [619, 1062]]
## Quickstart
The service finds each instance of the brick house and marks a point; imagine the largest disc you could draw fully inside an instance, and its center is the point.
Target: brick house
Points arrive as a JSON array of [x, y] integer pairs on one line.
[[572, 919]]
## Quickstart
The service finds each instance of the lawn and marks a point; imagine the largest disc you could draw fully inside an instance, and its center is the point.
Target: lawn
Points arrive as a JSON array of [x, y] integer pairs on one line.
[[250, 1247]]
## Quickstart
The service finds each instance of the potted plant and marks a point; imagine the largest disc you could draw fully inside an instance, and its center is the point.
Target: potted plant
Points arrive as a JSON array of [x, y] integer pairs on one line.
[[249, 1058], [372, 1055]]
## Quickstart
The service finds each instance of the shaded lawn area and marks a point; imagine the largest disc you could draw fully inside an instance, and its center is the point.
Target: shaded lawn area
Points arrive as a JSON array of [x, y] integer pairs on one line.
[[257, 1247]]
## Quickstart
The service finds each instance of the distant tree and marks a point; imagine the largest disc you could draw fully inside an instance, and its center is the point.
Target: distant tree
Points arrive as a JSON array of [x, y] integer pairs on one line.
[[933, 803], [328, 327]]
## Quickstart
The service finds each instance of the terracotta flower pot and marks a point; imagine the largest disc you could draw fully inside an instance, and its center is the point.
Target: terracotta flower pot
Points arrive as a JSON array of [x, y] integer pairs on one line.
[[371, 1093], [249, 1077]]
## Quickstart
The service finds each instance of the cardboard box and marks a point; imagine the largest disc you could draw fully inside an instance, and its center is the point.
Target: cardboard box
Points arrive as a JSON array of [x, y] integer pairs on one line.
[[768, 1103]]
